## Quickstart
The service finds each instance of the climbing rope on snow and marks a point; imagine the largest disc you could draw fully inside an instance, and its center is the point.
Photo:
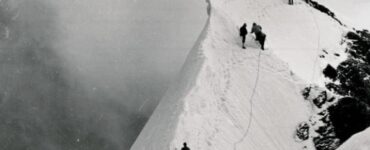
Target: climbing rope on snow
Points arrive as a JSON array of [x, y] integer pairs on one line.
[[318, 45], [258, 76], [253, 92], [251, 103]]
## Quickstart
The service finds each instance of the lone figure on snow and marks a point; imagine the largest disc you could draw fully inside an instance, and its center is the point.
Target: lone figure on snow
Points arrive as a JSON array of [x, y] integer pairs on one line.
[[290, 2], [185, 147], [260, 36], [243, 33]]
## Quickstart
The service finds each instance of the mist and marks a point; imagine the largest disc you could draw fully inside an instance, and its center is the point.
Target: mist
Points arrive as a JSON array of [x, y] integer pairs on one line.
[[87, 74]]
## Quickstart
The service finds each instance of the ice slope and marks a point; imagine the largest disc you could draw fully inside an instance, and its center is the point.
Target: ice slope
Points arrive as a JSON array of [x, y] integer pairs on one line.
[[359, 141], [230, 98]]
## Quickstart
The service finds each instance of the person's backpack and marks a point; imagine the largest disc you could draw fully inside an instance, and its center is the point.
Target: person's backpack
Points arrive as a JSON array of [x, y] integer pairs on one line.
[[259, 28]]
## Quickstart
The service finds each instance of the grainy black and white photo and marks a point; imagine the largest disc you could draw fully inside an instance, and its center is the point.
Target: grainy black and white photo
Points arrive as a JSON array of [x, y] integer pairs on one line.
[[184, 75]]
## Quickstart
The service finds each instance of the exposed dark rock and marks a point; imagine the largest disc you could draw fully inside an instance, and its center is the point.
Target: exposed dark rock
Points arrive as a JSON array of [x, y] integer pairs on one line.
[[349, 116], [306, 92], [323, 9], [351, 80], [321, 99], [330, 72], [303, 131]]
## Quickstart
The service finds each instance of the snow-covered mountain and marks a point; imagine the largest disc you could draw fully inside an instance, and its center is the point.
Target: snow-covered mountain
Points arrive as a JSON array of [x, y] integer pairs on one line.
[[230, 98]]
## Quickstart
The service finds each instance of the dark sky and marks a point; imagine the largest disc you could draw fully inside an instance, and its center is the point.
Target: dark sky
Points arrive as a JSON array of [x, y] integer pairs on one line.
[[114, 44], [86, 74]]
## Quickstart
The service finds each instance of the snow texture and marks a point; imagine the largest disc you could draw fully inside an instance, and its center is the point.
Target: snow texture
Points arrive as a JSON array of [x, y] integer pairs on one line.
[[353, 12], [228, 98], [359, 141]]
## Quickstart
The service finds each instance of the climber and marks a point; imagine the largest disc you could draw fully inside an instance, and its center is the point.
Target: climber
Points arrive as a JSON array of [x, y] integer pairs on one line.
[[243, 33], [256, 28], [185, 147], [290, 2], [260, 36]]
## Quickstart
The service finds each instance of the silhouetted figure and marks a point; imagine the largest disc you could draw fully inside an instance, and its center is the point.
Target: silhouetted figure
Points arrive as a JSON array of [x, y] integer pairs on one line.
[[256, 28], [291, 2], [260, 36], [185, 147], [243, 33]]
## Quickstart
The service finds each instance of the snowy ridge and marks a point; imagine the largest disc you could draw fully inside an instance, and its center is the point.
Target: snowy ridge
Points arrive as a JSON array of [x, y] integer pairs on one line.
[[235, 99], [160, 129]]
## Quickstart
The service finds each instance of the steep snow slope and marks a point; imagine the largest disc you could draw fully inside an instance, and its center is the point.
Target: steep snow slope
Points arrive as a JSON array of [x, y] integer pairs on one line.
[[353, 12], [360, 141], [297, 33], [230, 98]]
